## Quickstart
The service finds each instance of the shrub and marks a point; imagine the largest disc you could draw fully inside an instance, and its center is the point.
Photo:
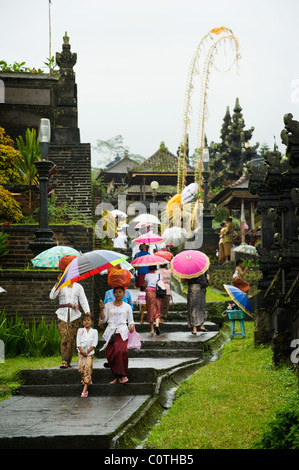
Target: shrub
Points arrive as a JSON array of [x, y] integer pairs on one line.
[[8, 157], [3, 244], [20, 339], [9, 207], [283, 431]]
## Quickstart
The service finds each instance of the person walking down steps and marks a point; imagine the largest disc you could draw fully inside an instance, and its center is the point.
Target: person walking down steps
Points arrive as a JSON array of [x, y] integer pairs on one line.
[[68, 317], [120, 320], [87, 340]]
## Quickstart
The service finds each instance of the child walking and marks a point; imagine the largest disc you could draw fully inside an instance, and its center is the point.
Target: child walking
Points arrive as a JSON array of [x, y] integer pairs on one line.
[[87, 340], [141, 302]]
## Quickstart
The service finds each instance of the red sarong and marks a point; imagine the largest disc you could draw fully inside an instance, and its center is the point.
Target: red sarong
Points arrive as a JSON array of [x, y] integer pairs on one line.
[[117, 356], [153, 305], [241, 284]]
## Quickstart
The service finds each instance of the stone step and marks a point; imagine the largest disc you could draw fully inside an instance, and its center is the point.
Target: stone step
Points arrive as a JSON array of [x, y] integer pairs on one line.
[[169, 326], [166, 353], [94, 390], [64, 377], [172, 344]]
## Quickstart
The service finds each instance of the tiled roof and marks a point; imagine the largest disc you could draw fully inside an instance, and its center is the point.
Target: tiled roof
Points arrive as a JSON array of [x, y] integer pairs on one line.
[[122, 166], [162, 161]]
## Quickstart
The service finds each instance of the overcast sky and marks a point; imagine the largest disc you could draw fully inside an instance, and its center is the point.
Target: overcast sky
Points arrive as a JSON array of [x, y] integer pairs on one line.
[[134, 56]]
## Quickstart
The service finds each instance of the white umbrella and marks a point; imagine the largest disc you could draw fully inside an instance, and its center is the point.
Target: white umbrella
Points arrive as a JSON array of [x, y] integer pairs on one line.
[[188, 193], [174, 236], [143, 224], [2, 290], [146, 218], [246, 249], [116, 213], [122, 225]]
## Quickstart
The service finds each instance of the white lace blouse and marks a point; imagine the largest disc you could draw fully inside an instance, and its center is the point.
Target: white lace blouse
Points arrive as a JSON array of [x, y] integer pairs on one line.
[[74, 295], [118, 318]]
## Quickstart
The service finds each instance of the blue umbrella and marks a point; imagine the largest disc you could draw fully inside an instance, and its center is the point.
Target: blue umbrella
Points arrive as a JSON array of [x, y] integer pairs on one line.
[[239, 298]]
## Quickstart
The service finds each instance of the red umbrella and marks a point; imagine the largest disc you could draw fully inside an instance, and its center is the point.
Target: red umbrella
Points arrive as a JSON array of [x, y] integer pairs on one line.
[[148, 260], [164, 254]]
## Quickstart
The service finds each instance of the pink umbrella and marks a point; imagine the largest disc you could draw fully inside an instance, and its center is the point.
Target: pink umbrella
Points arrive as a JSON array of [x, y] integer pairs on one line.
[[148, 238], [189, 264], [148, 260]]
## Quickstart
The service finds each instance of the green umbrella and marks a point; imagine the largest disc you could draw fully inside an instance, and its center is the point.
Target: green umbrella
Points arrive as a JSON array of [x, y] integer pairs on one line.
[[50, 258]]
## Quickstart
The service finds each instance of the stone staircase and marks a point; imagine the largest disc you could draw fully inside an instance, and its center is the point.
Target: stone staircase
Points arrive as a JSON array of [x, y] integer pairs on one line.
[[175, 342], [48, 412]]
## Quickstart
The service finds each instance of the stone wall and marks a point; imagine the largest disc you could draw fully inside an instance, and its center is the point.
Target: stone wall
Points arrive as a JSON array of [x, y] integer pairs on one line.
[[78, 236], [27, 293], [73, 175]]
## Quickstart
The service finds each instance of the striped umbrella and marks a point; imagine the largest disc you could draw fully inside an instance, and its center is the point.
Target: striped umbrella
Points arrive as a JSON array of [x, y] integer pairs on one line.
[[88, 264]]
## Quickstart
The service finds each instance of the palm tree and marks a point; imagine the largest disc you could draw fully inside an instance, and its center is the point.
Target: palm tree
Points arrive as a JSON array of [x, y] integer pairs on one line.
[[30, 153]]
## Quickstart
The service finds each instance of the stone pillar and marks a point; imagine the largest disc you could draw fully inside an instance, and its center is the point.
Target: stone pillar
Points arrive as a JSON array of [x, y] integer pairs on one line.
[[66, 113]]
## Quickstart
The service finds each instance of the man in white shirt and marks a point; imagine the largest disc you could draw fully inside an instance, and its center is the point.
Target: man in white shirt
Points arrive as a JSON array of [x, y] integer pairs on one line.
[[68, 318]]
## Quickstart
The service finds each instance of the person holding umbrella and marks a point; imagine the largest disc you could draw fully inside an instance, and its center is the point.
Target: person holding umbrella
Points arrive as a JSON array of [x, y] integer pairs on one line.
[[153, 303], [68, 313], [142, 270], [192, 266], [120, 320], [165, 274], [196, 302]]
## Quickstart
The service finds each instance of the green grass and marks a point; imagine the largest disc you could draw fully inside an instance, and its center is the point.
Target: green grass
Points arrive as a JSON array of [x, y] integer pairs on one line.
[[214, 295], [225, 404]]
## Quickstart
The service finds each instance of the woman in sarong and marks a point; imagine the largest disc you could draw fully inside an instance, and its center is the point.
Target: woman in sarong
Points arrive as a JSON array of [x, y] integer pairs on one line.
[[238, 280], [196, 303], [153, 303], [165, 276], [119, 316]]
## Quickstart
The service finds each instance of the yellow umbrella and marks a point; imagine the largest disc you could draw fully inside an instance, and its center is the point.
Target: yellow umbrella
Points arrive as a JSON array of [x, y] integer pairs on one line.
[[173, 203]]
